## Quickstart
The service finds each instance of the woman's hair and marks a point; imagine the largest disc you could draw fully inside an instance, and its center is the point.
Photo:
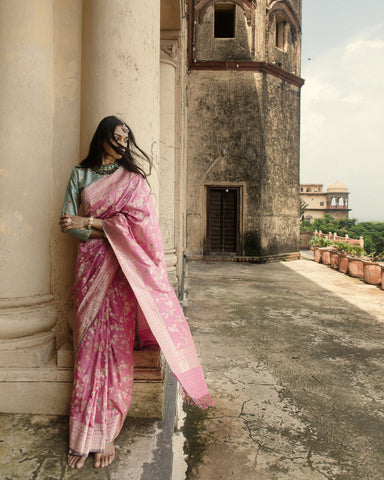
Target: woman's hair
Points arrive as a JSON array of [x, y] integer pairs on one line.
[[130, 155]]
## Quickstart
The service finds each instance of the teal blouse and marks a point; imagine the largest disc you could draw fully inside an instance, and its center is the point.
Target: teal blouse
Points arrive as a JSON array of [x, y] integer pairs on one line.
[[79, 179]]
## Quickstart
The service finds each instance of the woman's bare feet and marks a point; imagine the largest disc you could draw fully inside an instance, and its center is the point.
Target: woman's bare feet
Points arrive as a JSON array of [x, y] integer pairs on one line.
[[106, 458], [76, 461]]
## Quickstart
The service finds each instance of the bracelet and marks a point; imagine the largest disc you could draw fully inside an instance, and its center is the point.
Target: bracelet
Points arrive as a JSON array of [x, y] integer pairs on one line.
[[89, 223]]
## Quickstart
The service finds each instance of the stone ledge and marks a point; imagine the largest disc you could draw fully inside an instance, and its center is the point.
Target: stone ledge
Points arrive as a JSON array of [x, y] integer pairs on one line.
[[48, 391], [51, 374], [262, 259]]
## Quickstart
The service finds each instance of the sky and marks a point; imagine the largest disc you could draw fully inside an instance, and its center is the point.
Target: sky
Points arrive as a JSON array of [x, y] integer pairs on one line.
[[342, 103]]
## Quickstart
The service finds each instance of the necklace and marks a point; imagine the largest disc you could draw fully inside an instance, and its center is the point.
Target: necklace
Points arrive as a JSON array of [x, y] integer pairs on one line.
[[106, 169]]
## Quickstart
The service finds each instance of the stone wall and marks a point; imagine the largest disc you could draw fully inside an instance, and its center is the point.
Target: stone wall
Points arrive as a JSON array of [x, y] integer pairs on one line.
[[256, 122], [244, 124]]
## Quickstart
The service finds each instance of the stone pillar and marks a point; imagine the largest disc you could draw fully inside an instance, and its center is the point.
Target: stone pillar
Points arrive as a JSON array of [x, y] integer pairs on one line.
[[66, 146], [168, 64], [120, 74], [27, 314]]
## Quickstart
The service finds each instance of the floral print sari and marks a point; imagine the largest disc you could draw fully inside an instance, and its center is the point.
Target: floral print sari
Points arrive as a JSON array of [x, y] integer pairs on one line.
[[121, 286]]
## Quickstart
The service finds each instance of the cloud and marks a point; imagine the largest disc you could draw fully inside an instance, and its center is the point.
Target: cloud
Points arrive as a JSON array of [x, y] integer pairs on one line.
[[342, 121]]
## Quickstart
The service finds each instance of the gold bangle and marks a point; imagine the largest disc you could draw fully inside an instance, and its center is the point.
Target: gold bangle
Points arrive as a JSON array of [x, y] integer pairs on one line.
[[89, 223]]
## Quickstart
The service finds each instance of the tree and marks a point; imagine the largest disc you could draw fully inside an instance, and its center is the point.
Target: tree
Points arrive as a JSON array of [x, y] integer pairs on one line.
[[372, 232]]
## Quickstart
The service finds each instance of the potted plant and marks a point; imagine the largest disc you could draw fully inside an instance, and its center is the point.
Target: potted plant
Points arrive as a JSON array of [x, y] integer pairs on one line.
[[326, 254], [351, 259], [336, 254], [356, 264], [318, 245], [382, 278], [345, 249], [373, 269]]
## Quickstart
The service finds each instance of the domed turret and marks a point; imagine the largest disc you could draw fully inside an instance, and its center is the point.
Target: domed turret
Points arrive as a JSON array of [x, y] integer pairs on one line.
[[337, 200], [337, 187]]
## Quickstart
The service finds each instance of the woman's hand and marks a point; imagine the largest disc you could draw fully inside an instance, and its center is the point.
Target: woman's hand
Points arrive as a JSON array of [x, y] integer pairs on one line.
[[68, 222]]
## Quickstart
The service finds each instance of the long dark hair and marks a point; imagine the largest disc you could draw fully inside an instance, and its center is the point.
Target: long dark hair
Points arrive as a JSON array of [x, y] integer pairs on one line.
[[130, 155]]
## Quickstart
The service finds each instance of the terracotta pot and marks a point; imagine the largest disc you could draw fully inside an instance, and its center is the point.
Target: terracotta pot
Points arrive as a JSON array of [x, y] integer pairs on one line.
[[343, 263], [335, 260], [372, 273], [356, 268], [326, 257], [317, 254], [382, 278]]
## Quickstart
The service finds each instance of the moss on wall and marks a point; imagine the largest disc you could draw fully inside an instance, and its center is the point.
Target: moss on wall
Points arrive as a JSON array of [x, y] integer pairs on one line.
[[244, 129]]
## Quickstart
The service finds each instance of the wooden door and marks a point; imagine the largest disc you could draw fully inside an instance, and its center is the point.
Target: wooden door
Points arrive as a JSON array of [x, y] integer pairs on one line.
[[223, 220]]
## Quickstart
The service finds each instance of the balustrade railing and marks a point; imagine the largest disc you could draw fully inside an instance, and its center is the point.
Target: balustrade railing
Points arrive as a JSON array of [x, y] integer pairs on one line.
[[335, 237]]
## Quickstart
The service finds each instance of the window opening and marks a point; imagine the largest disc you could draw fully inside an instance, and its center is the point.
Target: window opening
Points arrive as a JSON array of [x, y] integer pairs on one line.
[[321, 204], [225, 20], [281, 33], [341, 202]]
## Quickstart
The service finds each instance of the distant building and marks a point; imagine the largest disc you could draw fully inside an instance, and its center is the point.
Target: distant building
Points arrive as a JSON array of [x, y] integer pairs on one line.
[[334, 201]]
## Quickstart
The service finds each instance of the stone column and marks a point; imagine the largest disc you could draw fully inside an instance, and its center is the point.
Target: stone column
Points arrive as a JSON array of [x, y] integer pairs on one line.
[[120, 74], [168, 64], [66, 146], [27, 314]]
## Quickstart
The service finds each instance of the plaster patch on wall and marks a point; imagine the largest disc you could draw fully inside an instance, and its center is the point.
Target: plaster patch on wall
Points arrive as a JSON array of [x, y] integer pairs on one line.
[[18, 215], [4, 173], [5, 228], [28, 228], [10, 54]]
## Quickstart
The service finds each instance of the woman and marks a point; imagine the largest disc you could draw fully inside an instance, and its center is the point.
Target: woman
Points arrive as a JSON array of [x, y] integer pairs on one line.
[[121, 287]]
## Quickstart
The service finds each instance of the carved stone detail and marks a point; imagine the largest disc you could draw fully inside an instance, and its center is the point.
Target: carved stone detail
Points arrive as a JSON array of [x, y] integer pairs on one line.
[[169, 47]]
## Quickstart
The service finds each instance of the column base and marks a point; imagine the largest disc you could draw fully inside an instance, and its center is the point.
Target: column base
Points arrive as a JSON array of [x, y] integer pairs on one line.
[[47, 390], [25, 316], [34, 350]]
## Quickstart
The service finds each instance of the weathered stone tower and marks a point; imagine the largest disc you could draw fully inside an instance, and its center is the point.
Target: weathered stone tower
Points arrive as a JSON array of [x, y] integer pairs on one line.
[[243, 127]]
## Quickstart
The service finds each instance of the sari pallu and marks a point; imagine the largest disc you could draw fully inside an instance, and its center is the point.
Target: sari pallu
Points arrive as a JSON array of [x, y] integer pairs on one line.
[[134, 247]]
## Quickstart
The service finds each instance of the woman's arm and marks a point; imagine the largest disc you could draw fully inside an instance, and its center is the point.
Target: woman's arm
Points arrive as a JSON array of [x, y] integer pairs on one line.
[[98, 234], [71, 209], [75, 222]]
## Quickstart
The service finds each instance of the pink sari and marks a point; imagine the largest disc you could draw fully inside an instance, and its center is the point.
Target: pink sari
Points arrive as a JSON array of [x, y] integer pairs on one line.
[[121, 286]]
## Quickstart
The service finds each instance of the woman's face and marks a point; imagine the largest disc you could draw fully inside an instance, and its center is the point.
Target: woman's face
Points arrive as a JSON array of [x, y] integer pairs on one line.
[[119, 139]]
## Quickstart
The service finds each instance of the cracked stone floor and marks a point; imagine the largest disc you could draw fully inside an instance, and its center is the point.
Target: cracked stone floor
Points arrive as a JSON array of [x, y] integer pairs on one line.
[[34, 447], [293, 354], [294, 357]]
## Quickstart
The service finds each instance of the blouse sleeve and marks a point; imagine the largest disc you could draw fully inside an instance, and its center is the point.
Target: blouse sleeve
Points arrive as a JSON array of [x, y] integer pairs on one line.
[[72, 204]]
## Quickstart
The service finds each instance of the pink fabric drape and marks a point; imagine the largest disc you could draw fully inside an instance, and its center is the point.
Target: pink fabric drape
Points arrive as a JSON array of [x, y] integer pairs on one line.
[[110, 277], [103, 375]]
